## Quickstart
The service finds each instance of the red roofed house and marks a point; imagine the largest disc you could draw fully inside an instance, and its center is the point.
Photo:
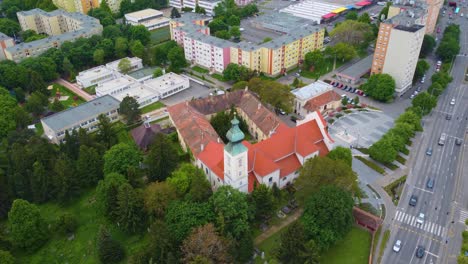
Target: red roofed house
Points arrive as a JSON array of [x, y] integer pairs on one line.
[[276, 158], [317, 96]]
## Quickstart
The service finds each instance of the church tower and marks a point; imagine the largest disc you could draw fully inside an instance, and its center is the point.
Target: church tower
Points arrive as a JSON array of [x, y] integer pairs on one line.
[[235, 159]]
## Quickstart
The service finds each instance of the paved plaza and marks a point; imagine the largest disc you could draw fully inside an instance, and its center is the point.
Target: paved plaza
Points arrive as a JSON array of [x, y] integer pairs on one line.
[[360, 129]]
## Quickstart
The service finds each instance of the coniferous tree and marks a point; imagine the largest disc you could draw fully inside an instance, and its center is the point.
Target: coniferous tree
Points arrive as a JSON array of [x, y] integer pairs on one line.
[[162, 158], [131, 215], [109, 250], [89, 166]]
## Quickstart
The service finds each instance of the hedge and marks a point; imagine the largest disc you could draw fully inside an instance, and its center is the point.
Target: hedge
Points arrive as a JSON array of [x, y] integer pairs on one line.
[[371, 165]]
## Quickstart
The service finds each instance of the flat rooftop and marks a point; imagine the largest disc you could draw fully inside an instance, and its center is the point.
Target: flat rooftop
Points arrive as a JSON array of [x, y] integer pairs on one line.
[[142, 73], [165, 81], [145, 13], [137, 91], [311, 90], [115, 64], [72, 116], [114, 84], [95, 72], [358, 69]]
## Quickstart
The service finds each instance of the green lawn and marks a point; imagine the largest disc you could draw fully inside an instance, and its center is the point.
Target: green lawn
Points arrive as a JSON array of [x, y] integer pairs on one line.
[[70, 102], [353, 249], [269, 246], [160, 35], [82, 248], [152, 107], [91, 90], [200, 69], [323, 70], [218, 77], [123, 134]]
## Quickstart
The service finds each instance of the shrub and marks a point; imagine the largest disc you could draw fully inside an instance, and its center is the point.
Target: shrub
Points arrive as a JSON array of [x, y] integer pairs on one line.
[[109, 250], [66, 223], [371, 165], [339, 115], [348, 111]]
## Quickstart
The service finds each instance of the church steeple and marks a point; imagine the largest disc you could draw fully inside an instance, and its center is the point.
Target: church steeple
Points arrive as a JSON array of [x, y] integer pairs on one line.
[[235, 158], [235, 137]]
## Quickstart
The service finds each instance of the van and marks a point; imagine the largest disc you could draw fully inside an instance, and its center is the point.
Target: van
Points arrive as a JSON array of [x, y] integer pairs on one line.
[[442, 139]]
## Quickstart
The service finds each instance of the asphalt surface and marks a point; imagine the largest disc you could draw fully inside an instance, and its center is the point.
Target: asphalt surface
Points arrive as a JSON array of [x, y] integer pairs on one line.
[[444, 206]]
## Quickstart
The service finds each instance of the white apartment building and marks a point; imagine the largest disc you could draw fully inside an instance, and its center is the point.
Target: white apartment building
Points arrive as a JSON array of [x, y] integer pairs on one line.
[[209, 52], [208, 5], [150, 18], [58, 24], [399, 43], [104, 73], [83, 116]]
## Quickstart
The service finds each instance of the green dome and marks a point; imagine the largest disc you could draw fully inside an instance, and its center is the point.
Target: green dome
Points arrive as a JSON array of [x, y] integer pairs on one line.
[[235, 134]]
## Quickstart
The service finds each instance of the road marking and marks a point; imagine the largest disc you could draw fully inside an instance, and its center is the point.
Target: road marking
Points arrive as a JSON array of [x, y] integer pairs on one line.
[[411, 220], [424, 190], [432, 254], [463, 216]]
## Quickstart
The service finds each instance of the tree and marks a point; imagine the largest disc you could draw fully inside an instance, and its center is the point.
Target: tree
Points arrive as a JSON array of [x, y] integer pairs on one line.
[[177, 59], [66, 223], [421, 67], [232, 211], [162, 158], [233, 20], [320, 171], [428, 46], [39, 182], [105, 17], [158, 72], [137, 49], [384, 12], [200, 10], [342, 51], [130, 213], [404, 130], [448, 49], [189, 181], [274, 93], [236, 73], [314, 60], [130, 109], [7, 106], [175, 13], [383, 151], [89, 166], [411, 118], [105, 6], [182, 216], [45, 66], [364, 18], [28, 228], [425, 102], [106, 133], [56, 105], [65, 181], [36, 103], [352, 15], [223, 34], [263, 201], [109, 250], [235, 32], [442, 78], [6, 257], [157, 197], [435, 89], [140, 33], [328, 216], [125, 66], [9, 27], [216, 25], [380, 86], [352, 32], [121, 47], [294, 247], [106, 194], [341, 153], [98, 56], [205, 242], [119, 158]]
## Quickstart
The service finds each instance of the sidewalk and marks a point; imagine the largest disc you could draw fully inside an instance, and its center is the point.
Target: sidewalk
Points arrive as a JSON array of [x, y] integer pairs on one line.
[[273, 229], [72, 87]]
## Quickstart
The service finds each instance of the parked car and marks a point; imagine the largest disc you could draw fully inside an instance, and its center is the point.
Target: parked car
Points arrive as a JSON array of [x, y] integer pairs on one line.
[[430, 183], [412, 96], [458, 141], [452, 102], [419, 89], [413, 200], [397, 246], [429, 151], [332, 83], [420, 250]]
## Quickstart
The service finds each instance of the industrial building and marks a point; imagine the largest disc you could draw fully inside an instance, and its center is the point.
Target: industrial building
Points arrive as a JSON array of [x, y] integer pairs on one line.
[[272, 58], [61, 26], [150, 18], [399, 43]]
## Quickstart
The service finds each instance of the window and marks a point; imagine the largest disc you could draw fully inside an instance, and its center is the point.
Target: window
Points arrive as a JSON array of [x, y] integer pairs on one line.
[[270, 179]]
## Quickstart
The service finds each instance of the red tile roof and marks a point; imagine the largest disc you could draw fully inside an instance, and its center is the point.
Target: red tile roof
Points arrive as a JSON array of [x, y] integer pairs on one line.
[[321, 100], [289, 165], [252, 182], [212, 156]]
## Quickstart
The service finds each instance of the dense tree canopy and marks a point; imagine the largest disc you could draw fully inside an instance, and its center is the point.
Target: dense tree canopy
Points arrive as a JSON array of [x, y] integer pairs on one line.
[[421, 67], [341, 153], [383, 151], [28, 228], [157, 197], [106, 193], [428, 46], [9, 27], [380, 86], [162, 158], [273, 93], [190, 182], [130, 109], [205, 242], [295, 248], [328, 215], [450, 43], [352, 32], [425, 102], [120, 158], [109, 250], [7, 106]]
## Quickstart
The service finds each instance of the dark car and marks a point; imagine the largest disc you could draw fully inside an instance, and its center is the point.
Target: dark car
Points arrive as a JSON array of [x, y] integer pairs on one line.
[[448, 117], [420, 250], [458, 141], [430, 183], [286, 210], [345, 87], [353, 90], [413, 200]]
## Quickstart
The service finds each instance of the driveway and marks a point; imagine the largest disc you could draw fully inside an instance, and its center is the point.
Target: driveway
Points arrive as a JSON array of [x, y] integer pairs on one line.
[[196, 90], [360, 128]]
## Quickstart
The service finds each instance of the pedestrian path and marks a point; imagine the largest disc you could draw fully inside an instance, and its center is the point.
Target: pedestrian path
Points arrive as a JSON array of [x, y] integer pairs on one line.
[[463, 216], [427, 226]]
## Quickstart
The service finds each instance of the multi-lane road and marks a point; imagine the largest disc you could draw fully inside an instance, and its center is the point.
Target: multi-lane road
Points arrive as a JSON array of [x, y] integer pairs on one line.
[[444, 206]]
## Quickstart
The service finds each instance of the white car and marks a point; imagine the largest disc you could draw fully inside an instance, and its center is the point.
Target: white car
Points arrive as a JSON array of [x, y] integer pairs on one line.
[[397, 246], [412, 96], [420, 219], [422, 80], [452, 102]]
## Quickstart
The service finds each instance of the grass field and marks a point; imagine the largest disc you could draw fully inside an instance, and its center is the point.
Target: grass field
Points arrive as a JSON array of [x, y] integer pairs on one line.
[[269, 246], [160, 35], [65, 92], [152, 107], [353, 249], [82, 248], [323, 70]]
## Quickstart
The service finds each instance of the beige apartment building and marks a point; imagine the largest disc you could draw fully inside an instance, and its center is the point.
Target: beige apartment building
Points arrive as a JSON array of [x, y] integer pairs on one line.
[[399, 43], [61, 26], [433, 10], [83, 6]]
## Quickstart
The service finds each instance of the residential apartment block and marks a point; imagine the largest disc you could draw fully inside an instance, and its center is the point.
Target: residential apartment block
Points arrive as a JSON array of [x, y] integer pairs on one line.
[[272, 58], [83, 6], [5, 42], [399, 42], [83, 116], [433, 10], [61, 26], [150, 18]]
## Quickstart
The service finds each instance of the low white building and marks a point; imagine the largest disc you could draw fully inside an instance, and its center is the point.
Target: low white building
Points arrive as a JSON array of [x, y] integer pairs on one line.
[[104, 73], [150, 18], [146, 92], [84, 116], [208, 5], [304, 95]]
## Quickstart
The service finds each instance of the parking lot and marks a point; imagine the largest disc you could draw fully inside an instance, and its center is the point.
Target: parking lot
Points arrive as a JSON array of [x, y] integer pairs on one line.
[[360, 129], [196, 90]]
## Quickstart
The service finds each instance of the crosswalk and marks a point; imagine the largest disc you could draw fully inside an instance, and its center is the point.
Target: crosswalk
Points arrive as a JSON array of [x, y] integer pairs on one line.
[[427, 226], [463, 216]]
